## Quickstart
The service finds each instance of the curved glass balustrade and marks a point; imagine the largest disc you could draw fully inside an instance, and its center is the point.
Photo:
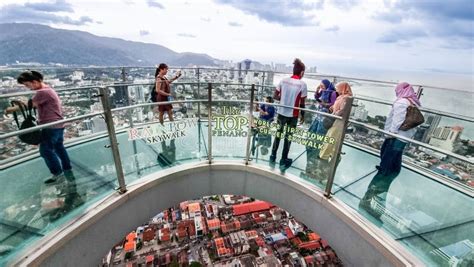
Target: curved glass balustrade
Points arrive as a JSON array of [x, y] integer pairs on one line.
[[424, 213]]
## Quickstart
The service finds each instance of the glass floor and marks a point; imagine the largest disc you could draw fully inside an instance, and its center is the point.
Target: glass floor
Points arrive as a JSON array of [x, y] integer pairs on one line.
[[431, 220]]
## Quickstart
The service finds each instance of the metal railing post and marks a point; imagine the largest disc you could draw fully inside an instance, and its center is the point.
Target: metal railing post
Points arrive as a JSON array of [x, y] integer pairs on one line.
[[104, 97], [419, 93], [130, 122], [250, 123], [339, 142], [209, 123], [199, 94], [199, 109]]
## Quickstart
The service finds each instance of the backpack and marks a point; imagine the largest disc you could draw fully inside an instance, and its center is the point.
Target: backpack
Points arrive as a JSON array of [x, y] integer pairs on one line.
[[153, 94], [33, 138], [413, 117]]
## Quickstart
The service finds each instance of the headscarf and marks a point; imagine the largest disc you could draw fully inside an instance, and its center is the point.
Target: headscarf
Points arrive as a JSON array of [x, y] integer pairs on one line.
[[405, 90], [344, 90], [326, 94]]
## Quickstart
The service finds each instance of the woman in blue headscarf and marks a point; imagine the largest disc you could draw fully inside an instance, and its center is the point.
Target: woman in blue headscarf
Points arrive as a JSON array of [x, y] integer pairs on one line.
[[325, 95]]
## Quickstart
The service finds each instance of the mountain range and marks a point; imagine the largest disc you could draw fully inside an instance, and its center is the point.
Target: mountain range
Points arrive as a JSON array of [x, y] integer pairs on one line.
[[25, 42]]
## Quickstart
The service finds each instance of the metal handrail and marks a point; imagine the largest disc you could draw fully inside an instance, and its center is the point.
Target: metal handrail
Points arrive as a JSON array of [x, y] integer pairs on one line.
[[430, 147], [32, 129], [338, 77], [97, 86], [437, 112], [48, 125]]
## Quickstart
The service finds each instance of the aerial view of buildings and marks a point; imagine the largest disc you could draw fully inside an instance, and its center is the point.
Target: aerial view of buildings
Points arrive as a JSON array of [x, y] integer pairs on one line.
[[222, 230]]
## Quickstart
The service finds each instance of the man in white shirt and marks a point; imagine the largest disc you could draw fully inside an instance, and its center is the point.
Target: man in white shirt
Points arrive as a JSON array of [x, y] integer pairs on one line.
[[292, 92]]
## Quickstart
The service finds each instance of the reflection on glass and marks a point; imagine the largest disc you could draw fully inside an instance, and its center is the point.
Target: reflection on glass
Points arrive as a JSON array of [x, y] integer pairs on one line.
[[168, 155]]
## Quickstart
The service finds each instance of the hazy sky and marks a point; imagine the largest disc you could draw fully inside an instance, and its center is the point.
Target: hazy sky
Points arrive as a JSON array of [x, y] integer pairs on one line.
[[348, 36]]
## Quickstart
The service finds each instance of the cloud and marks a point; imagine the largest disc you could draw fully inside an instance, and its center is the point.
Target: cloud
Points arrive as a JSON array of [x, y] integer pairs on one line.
[[344, 4], [283, 12], [206, 19], [40, 13], [235, 24], [451, 22], [391, 17], [334, 28], [58, 6], [402, 35], [154, 3], [186, 35], [144, 32]]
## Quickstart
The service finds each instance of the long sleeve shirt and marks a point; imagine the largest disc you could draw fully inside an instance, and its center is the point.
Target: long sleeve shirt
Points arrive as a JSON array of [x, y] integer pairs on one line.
[[396, 117]]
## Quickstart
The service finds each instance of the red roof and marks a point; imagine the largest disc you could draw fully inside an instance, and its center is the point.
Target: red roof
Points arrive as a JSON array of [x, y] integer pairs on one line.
[[324, 243], [288, 232], [165, 237], [255, 206], [251, 234], [296, 241], [309, 259], [311, 245], [150, 258], [313, 236], [129, 246], [213, 224], [260, 241]]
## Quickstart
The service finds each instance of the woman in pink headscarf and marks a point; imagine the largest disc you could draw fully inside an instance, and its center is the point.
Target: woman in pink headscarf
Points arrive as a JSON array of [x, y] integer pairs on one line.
[[326, 154], [392, 149]]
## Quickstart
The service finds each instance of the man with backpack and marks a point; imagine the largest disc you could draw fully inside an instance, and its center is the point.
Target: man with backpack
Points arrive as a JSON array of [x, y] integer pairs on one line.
[[49, 107]]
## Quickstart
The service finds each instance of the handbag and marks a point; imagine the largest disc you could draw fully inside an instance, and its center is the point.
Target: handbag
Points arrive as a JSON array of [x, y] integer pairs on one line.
[[413, 117], [32, 138]]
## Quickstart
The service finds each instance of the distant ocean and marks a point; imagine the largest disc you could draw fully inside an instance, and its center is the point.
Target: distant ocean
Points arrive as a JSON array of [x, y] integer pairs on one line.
[[452, 101]]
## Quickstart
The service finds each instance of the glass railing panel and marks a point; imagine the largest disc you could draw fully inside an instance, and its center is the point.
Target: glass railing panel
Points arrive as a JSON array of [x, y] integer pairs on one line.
[[424, 221], [33, 208], [309, 141], [75, 102], [375, 111], [452, 100], [147, 146], [424, 158], [230, 128]]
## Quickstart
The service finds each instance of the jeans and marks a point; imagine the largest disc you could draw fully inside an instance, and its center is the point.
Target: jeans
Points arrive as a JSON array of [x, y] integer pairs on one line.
[[289, 122], [391, 156], [390, 166], [52, 150]]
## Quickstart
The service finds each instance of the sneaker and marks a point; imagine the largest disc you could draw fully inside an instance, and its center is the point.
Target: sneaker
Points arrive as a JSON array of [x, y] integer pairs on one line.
[[286, 162], [54, 178], [272, 158]]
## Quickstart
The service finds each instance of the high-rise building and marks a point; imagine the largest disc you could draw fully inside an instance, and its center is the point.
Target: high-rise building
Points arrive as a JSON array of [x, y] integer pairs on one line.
[[432, 122], [445, 137], [87, 124], [247, 63], [269, 78], [239, 67]]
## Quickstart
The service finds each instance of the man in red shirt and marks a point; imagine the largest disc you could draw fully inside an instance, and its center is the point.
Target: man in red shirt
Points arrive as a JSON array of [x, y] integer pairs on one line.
[[47, 101]]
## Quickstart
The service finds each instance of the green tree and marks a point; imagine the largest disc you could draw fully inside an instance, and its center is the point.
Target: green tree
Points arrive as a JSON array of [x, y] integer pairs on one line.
[[128, 255], [174, 263], [195, 264]]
